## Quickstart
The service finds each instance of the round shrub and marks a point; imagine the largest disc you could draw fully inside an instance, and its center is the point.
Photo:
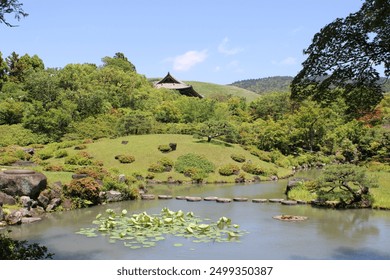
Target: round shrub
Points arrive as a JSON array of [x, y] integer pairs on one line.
[[156, 168], [60, 154], [164, 148], [238, 157], [229, 169], [198, 162], [78, 160], [167, 163], [95, 172], [80, 147], [85, 188], [125, 158], [253, 169]]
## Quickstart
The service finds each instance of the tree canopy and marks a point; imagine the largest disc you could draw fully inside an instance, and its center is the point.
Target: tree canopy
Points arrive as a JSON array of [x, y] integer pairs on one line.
[[347, 54], [11, 7]]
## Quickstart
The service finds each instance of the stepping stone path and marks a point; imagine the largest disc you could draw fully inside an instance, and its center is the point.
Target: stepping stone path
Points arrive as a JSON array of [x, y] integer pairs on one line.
[[194, 198], [259, 200], [240, 199], [148, 196], [161, 196], [275, 200], [224, 200], [210, 198], [181, 197], [289, 202]]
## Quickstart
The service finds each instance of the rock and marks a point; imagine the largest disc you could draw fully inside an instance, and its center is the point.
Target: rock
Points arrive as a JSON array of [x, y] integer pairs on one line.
[[7, 199], [162, 196], [30, 220], [290, 218], [274, 178], [259, 200], [1, 214], [148, 197], [224, 200], [79, 176], [113, 196], [15, 218], [181, 197], [173, 146], [289, 202], [210, 198], [54, 203], [3, 224], [26, 201], [193, 198], [240, 199], [122, 178], [276, 200], [43, 200], [22, 183], [56, 190]]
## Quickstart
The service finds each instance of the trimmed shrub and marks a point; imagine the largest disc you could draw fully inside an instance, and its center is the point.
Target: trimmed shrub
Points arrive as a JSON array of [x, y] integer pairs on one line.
[[198, 162], [125, 158], [238, 157], [167, 163], [164, 148], [7, 159], [229, 169], [85, 189], [78, 160], [253, 169], [95, 172], [80, 147], [53, 168], [156, 168], [60, 154]]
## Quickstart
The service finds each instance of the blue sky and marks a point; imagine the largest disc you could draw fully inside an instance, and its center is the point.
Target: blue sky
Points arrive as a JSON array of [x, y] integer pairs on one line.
[[218, 41]]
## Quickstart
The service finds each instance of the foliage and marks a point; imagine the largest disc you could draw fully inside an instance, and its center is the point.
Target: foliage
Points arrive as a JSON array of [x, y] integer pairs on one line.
[[156, 168], [135, 122], [266, 85], [164, 148], [345, 54], [273, 105], [216, 128], [194, 161], [347, 184], [125, 158], [144, 230], [21, 250], [253, 169], [238, 157], [229, 169], [86, 189], [128, 192], [11, 7]]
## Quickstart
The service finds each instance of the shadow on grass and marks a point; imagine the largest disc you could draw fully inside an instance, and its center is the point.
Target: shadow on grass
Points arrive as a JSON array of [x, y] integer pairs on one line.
[[214, 142]]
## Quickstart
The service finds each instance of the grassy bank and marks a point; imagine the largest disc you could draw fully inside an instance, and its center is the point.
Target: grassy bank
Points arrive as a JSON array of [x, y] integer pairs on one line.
[[144, 149]]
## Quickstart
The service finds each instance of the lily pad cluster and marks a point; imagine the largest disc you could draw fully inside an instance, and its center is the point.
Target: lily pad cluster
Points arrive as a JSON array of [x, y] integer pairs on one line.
[[143, 230]]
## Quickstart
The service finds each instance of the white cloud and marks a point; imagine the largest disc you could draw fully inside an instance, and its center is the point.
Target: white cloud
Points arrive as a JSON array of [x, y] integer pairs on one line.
[[185, 62], [287, 61], [224, 48]]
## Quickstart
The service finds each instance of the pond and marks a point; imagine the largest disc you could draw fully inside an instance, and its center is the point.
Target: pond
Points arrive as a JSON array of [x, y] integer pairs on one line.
[[326, 234]]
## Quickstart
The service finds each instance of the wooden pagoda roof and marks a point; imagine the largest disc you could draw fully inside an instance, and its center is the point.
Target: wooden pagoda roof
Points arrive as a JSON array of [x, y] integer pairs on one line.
[[169, 82]]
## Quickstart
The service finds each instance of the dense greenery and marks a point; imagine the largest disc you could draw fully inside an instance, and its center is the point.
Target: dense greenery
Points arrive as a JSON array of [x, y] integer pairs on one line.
[[346, 54], [266, 85], [12, 7], [21, 250]]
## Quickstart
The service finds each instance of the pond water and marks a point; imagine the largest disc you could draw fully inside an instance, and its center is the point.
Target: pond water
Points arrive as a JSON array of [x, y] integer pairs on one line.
[[327, 234]]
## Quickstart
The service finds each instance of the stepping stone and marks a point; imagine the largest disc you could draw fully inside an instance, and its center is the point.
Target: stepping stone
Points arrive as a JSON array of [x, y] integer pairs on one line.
[[162, 196], [210, 198], [148, 196], [193, 198], [224, 200], [240, 199], [275, 200], [181, 197], [259, 200], [289, 202]]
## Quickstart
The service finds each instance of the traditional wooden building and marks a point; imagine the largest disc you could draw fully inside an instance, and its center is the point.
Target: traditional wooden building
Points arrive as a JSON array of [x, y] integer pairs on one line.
[[170, 82]]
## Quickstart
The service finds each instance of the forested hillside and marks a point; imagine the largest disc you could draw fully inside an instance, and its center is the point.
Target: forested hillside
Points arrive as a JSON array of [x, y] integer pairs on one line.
[[281, 83], [264, 85]]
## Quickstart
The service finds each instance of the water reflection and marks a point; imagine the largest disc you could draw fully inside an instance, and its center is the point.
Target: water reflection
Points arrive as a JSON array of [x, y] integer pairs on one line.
[[327, 234]]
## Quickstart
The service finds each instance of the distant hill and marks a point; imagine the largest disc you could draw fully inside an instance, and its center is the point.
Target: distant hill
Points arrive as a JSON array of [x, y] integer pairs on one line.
[[282, 83], [264, 85], [222, 91]]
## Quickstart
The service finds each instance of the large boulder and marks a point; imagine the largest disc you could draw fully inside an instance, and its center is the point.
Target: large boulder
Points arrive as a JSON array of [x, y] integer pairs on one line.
[[7, 199], [22, 183]]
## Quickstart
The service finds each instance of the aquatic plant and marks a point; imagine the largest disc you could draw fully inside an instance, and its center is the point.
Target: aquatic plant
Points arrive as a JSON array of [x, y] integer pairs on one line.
[[143, 230]]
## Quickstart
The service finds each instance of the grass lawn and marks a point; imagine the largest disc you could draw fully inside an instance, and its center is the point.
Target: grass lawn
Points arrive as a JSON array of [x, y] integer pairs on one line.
[[145, 150]]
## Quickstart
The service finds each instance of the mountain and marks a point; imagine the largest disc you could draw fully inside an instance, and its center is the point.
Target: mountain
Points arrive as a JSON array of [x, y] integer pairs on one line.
[[264, 85]]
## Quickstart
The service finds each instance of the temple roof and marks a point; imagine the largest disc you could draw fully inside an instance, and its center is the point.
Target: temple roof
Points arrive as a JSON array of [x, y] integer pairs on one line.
[[169, 82]]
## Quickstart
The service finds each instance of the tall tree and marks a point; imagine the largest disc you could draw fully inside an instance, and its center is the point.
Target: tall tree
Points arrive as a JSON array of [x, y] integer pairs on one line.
[[11, 7], [347, 54]]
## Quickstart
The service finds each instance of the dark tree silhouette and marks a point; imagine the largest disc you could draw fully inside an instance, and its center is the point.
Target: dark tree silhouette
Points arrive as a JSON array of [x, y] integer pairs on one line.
[[11, 7]]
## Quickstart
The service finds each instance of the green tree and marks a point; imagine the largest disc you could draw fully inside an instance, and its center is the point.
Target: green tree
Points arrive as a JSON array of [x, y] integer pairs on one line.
[[11, 7], [20, 66], [21, 250], [345, 54], [218, 128], [273, 105], [119, 61], [3, 71], [11, 111], [135, 122], [345, 183]]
